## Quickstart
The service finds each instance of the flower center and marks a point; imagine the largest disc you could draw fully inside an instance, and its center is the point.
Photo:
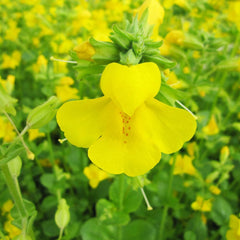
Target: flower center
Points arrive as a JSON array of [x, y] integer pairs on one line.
[[125, 126]]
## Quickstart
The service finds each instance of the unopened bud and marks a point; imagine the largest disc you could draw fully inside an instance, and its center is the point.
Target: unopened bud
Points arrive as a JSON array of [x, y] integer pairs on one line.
[[232, 64], [224, 154], [15, 166], [42, 114], [62, 216], [129, 58]]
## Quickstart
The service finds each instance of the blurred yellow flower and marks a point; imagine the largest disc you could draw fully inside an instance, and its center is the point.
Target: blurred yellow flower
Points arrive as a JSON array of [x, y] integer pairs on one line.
[[183, 165], [8, 84], [11, 61], [7, 206], [127, 129], [233, 13], [95, 175], [211, 128], [174, 82], [191, 148], [7, 131], [63, 90], [85, 51], [234, 232], [12, 31], [215, 190], [10, 228], [186, 70], [34, 133], [202, 205], [155, 14], [196, 54], [175, 37], [41, 64]]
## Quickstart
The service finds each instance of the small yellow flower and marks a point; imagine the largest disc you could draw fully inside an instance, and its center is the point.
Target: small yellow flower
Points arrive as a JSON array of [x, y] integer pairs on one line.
[[175, 37], [41, 64], [183, 165], [196, 54], [63, 90], [7, 206], [7, 131], [85, 51], [202, 205], [234, 232], [215, 190], [174, 82], [155, 13], [127, 129], [10, 228], [34, 133], [211, 128], [95, 175], [8, 84], [191, 148], [186, 70], [11, 61]]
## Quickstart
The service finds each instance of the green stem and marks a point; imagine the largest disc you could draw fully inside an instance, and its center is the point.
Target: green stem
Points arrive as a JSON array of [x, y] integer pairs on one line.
[[121, 187], [60, 234], [50, 149], [13, 187], [166, 207]]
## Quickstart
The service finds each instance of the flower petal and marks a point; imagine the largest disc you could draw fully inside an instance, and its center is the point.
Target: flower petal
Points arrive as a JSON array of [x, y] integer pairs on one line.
[[83, 121], [168, 127], [129, 87], [129, 153]]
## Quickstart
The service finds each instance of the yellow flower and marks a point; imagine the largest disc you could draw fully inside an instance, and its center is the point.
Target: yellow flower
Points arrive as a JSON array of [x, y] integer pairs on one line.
[[64, 92], [12, 31], [155, 14], [215, 190], [34, 133], [41, 64], [174, 82], [234, 232], [7, 206], [85, 51], [95, 175], [202, 205], [196, 54], [191, 148], [7, 131], [8, 84], [186, 70], [233, 13], [183, 165], [10, 228], [127, 129], [175, 37], [211, 128], [11, 61]]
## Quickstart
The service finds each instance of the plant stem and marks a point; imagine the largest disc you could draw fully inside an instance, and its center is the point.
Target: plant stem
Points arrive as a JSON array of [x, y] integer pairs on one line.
[[166, 207], [121, 187], [13, 187], [60, 234]]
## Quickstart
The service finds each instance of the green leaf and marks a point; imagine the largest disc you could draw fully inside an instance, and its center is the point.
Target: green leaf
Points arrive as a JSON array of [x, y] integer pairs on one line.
[[47, 180], [162, 62], [124, 196], [108, 213], [93, 229], [221, 210], [197, 226], [189, 235], [50, 228], [139, 230]]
